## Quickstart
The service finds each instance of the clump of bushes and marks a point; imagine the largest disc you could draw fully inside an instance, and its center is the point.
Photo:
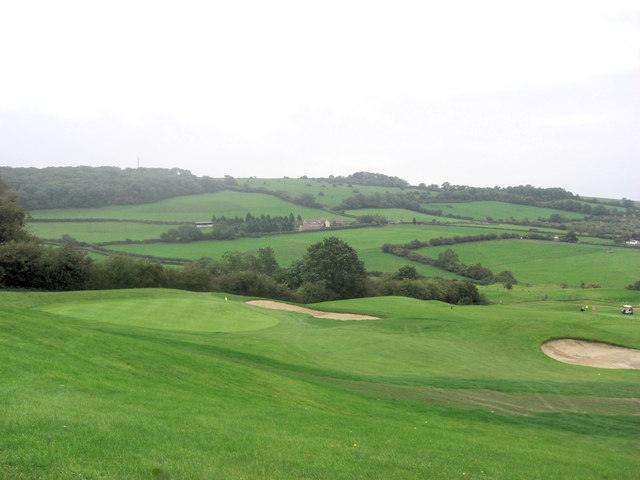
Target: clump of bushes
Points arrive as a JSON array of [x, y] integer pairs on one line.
[[633, 286]]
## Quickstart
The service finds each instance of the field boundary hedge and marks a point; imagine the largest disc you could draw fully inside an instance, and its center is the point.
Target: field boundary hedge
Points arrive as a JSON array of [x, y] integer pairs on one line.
[[448, 260]]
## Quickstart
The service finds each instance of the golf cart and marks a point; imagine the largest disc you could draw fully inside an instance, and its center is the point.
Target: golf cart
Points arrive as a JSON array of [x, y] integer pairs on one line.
[[627, 310]]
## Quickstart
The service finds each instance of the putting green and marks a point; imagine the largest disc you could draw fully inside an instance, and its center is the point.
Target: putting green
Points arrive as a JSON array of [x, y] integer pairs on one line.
[[205, 314]]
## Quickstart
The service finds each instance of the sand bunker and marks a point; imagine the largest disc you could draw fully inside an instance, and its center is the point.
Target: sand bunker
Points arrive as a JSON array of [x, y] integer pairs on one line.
[[316, 313], [592, 354]]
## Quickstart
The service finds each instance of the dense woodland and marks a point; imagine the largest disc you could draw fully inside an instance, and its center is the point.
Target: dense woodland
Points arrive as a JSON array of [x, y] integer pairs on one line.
[[67, 187]]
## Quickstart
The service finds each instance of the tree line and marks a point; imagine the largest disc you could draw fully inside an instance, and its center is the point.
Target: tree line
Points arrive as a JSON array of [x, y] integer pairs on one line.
[[536, 197], [224, 228], [449, 260]]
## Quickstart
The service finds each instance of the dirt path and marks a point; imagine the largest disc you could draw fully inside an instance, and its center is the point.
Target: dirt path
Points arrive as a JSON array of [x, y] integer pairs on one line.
[[592, 354], [316, 313]]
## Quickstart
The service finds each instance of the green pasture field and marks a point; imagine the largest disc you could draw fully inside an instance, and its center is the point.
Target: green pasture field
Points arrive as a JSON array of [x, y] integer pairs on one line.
[[170, 384], [324, 192], [497, 210], [540, 262], [401, 214], [366, 241], [97, 232], [603, 202], [192, 208]]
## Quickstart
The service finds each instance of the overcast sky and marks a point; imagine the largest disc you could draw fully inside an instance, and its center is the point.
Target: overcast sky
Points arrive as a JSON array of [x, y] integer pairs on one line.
[[472, 92]]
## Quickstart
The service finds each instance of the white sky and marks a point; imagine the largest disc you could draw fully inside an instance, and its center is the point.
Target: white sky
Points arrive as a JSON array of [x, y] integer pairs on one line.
[[470, 92]]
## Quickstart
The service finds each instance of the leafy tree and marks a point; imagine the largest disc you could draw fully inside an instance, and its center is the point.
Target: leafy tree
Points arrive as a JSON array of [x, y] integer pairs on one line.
[[65, 268], [118, 271], [633, 286], [314, 292], [20, 264], [252, 284], [506, 276], [373, 219], [407, 271], [447, 258], [308, 200], [335, 265], [267, 263], [195, 278], [13, 217]]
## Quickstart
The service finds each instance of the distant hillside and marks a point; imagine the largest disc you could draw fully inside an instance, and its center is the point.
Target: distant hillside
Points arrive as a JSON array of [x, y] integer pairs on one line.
[[67, 187], [77, 187]]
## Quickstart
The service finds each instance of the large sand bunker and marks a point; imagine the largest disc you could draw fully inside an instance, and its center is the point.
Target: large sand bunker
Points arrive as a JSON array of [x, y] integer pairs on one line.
[[592, 354], [316, 313]]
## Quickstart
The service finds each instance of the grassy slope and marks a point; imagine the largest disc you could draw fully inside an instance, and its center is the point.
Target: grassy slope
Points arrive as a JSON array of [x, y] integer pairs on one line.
[[191, 208], [366, 241], [325, 193], [426, 392], [97, 232], [570, 269], [497, 210], [538, 262], [401, 214]]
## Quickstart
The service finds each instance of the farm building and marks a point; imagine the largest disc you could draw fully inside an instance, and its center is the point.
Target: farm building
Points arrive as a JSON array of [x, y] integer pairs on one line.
[[203, 224], [320, 223]]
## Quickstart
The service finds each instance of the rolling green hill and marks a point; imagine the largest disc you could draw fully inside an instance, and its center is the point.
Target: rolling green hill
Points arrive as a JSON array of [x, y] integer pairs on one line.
[[325, 192], [536, 262], [497, 210], [191, 208], [98, 232], [401, 214], [290, 247]]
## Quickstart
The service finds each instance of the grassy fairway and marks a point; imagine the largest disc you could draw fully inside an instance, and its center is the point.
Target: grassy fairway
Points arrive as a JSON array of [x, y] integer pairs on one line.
[[116, 384], [166, 312]]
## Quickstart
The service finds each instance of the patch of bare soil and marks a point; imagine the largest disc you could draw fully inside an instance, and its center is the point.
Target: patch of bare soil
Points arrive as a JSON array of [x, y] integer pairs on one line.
[[316, 313], [592, 354]]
